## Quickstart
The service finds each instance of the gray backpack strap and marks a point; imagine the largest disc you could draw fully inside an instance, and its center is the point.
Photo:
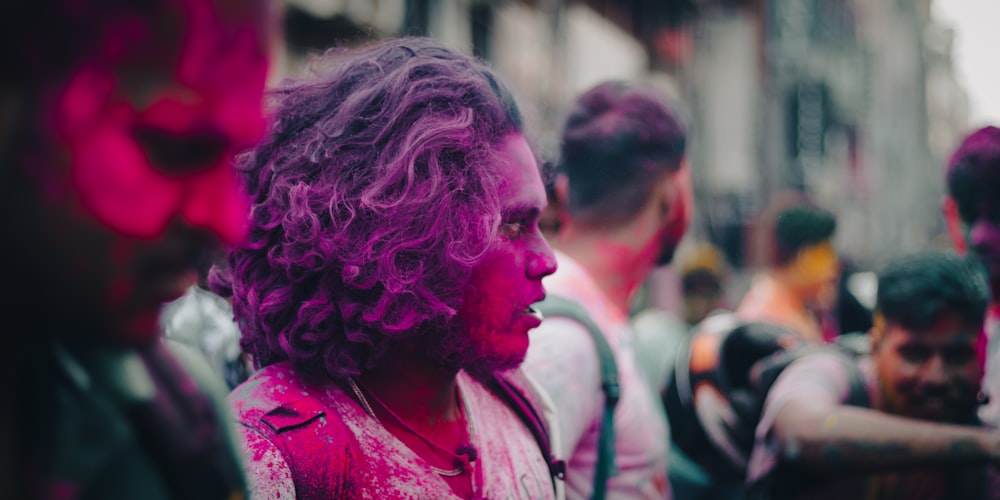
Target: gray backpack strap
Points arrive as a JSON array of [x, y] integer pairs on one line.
[[555, 305]]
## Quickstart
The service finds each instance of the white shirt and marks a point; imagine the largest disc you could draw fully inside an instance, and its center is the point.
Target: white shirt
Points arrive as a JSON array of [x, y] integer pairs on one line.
[[563, 360]]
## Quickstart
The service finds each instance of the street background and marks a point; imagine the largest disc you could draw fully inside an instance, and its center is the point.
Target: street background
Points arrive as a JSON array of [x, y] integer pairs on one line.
[[854, 104]]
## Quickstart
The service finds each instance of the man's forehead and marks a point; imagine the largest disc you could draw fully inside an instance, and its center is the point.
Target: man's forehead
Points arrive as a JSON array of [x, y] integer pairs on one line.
[[953, 334], [522, 180]]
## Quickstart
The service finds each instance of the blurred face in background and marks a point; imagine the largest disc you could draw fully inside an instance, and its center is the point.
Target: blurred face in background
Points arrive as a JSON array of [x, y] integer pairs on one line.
[[815, 271], [496, 312], [930, 373], [975, 227], [130, 179], [702, 293]]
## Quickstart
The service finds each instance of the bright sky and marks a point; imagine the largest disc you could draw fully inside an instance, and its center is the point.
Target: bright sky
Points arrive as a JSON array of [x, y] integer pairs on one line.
[[976, 53]]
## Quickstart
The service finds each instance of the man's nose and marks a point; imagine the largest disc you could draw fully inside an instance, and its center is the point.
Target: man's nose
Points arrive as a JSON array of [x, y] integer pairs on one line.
[[542, 260], [934, 373], [216, 203]]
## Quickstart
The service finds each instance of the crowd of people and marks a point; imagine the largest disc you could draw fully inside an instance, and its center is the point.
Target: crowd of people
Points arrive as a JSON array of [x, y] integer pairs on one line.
[[399, 299]]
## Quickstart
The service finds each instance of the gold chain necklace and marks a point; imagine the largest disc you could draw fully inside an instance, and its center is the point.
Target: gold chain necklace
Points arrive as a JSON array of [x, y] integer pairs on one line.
[[457, 471]]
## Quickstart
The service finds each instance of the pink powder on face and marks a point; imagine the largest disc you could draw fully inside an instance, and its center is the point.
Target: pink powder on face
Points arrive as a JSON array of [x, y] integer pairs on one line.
[[492, 316], [493, 313], [216, 93]]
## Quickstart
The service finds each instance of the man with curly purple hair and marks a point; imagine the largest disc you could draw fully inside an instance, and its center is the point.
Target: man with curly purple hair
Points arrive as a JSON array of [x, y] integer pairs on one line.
[[393, 257], [119, 121]]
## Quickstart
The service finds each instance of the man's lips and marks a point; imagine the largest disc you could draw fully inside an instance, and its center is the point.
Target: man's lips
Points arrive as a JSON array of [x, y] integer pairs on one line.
[[531, 311], [931, 407]]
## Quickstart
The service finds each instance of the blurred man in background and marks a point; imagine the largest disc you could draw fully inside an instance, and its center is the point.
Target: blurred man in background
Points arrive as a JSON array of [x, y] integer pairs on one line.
[[203, 321], [803, 272], [703, 278], [972, 212], [899, 424], [119, 123], [626, 194]]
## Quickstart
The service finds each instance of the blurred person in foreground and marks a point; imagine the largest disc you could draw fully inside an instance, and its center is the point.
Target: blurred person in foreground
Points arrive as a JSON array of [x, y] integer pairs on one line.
[[626, 194], [387, 283], [972, 212], [119, 123], [900, 423], [803, 271]]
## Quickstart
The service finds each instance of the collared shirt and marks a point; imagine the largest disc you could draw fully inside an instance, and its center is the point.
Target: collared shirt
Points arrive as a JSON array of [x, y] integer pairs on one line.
[[377, 464]]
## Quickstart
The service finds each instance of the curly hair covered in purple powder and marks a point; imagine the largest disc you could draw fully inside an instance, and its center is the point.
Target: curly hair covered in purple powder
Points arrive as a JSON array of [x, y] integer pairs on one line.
[[373, 197]]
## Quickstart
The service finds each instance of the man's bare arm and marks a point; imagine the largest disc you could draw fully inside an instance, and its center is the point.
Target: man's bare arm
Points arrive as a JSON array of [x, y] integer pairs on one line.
[[838, 437]]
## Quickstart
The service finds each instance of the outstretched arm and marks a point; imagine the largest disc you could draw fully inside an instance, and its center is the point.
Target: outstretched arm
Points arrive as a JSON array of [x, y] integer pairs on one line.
[[820, 435]]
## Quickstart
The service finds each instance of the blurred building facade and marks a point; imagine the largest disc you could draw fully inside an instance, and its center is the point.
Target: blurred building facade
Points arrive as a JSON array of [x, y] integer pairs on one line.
[[852, 103]]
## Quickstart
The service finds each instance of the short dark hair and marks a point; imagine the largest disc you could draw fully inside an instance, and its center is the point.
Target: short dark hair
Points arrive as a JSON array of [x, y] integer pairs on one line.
[[913, 291], [798, 227], [974, 171], [617, 140]]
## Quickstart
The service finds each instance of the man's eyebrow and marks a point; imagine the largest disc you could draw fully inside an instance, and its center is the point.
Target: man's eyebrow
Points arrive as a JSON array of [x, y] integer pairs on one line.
[[518, 211]]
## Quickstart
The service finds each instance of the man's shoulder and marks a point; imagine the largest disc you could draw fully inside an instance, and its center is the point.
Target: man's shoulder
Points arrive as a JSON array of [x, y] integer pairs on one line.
[[259, 390], [279, 397], [821, 375], [823, 364], [764, 296]]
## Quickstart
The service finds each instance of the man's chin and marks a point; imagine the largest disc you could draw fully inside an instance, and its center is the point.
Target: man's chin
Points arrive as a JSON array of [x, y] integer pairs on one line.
[[940, 414], [485, 367]]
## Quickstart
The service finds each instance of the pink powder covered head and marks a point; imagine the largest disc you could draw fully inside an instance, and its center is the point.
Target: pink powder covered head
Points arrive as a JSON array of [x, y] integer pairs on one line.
[[118, 135], [373, 198], [129, 115]]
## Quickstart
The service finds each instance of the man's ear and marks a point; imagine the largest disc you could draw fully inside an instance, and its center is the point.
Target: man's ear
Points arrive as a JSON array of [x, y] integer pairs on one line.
[[949, 207], [669, 192], [877, 331]]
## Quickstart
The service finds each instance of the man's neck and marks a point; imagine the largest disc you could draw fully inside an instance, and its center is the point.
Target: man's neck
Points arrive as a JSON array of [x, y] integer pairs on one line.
[[616, 263], [784, 278], [413, 388], [417, 401]]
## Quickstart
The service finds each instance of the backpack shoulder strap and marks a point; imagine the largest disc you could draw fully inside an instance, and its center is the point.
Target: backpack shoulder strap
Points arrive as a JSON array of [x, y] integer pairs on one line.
[[515, 397], [858, 389], [556, 305]]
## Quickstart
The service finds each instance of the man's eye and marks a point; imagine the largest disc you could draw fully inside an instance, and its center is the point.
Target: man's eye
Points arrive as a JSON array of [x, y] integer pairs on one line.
[[958, 355], [511, 230], [914, 354]]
